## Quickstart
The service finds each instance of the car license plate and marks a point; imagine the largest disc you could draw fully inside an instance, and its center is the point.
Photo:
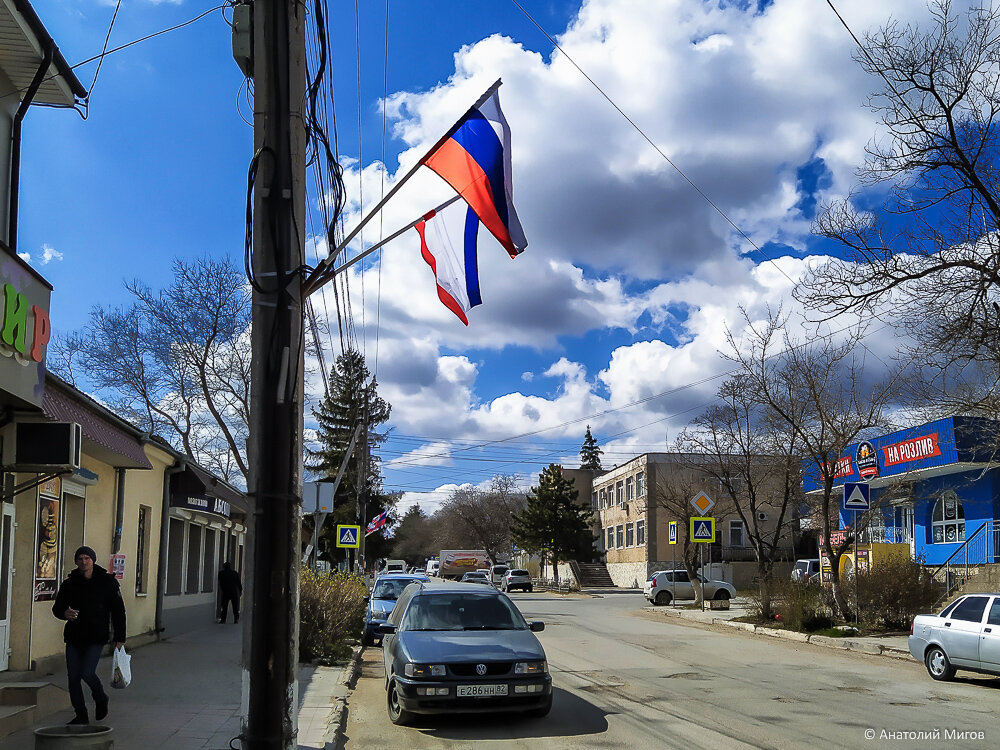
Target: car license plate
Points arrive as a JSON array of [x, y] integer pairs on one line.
[[481, 691]]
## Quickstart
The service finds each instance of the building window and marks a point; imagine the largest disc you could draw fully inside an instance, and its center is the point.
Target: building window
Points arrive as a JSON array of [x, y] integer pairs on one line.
[[620, 492], [175, 557], [640, 533], [948, 520], [640, 484], [611, 537], [208, 571], [620, 534], [629, 490], [193, 559], [142, 550], [736, 534], [593, 500], [602, 499], [629, 535]]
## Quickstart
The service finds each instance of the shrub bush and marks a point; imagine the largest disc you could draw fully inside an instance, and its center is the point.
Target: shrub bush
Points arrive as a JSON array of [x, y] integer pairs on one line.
[[331, 610], [798, 606], [892, 592]]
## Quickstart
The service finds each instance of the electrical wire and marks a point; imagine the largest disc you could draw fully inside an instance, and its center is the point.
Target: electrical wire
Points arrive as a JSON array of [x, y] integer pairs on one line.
[[100, 61]]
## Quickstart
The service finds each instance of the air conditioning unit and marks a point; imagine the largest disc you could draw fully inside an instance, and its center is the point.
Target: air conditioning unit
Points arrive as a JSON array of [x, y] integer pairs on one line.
[[40, 447], [761, 515]]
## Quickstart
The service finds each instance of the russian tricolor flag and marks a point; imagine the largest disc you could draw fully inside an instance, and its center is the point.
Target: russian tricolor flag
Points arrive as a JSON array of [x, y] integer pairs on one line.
[[378, 522], [474, 158], [456, 270]]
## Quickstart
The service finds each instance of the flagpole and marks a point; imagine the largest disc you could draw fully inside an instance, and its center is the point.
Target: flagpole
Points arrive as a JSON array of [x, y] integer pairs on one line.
[[315, 282], [312, 282]]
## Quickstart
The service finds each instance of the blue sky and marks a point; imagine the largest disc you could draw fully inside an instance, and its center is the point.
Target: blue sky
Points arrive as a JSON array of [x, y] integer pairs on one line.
[[631, 278]]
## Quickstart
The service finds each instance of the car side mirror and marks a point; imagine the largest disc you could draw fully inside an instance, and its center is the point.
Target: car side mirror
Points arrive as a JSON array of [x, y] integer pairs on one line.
[[387, 628], [367, 599], [537, 626]]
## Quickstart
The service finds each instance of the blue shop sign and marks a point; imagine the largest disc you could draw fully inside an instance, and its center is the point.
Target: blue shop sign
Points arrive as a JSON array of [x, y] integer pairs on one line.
[[953, 440]]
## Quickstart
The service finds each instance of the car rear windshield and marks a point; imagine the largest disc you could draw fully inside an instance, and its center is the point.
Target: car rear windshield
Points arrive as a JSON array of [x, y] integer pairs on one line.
[[500, 569], [519, 573], [454, 611], [391, 589]]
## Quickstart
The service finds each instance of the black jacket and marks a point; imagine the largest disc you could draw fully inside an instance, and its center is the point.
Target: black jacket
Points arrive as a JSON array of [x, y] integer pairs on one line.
[[229, 583], [98, 600]]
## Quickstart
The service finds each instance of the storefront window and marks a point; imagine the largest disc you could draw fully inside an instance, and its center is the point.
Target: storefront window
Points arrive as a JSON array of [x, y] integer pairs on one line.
[[948, 520]]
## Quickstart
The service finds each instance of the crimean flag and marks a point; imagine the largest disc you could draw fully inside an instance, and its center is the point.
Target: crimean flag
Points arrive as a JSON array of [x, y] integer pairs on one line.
[[378, 522], [475, 160], [456, 270]]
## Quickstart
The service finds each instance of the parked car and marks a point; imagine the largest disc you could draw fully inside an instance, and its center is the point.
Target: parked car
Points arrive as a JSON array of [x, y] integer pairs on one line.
[[477, 576], [664, 586], [516, 578], [455, 648], [806, 570], [383, 598], [497, 572], [965, 635]]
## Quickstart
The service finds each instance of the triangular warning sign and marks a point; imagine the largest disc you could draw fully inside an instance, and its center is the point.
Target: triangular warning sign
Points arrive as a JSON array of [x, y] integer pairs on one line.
[[702, 531], [347, 536]]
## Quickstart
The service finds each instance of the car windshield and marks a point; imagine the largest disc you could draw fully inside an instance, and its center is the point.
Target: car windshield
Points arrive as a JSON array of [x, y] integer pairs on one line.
[[462, 612], [518, 573], [392, 588]]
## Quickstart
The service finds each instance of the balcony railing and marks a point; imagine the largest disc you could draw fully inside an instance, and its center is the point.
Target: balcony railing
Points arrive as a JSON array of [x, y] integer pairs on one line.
[[884, 535]]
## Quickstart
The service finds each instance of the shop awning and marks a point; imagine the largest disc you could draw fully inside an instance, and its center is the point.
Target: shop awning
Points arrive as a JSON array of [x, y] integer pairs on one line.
[[101, 437]]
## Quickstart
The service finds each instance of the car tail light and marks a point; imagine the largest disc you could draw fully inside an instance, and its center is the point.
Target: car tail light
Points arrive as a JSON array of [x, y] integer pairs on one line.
[[652, 584]]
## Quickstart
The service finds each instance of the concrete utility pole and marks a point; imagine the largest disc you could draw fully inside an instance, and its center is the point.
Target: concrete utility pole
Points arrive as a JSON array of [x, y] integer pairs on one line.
[[270, 645]]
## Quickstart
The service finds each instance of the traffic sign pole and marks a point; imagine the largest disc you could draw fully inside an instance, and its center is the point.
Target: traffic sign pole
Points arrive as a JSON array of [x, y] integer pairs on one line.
[[857, 597]]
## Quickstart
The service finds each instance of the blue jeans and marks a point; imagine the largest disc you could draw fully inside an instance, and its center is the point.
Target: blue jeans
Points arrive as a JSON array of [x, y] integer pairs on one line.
[[81, 664]]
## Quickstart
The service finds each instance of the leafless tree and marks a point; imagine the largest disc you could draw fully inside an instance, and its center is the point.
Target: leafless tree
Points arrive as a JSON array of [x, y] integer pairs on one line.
[[176, 362], [480, 519], [931, 255], [756, 461], [818, 392], [672, 493]]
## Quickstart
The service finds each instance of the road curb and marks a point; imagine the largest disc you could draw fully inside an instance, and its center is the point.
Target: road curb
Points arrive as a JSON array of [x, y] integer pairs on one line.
[[338, 714], [844, 644]]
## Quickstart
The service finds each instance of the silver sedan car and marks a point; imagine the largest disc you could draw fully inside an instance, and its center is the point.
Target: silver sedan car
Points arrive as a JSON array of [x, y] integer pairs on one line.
[[965, 635]]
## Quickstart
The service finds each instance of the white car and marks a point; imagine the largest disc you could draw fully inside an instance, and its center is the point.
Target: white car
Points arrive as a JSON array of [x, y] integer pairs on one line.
[[516, 578], [966, 635], [664, 586]]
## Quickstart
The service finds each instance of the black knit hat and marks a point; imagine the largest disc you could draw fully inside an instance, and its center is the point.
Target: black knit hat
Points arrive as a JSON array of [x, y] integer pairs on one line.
[[85, 551]]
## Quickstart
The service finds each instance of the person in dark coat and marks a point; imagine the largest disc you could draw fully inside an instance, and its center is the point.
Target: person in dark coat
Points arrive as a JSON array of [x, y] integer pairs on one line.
[[88, 599], [229, 591]]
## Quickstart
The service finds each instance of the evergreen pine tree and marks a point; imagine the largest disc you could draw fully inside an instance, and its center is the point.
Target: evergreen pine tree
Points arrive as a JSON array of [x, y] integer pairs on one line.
[[590, 454], [353, 399], [552, 523]]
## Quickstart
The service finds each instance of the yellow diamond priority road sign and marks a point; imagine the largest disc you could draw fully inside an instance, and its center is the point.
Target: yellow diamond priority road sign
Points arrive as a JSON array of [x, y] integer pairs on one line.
[[702, 503]]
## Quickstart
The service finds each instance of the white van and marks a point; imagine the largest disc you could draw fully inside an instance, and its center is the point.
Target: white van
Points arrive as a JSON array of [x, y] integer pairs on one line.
[[497, 573], [395, 566], [433, 566]]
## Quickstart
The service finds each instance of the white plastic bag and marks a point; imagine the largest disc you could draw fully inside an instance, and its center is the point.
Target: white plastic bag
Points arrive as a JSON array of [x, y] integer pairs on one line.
[[121, 669]]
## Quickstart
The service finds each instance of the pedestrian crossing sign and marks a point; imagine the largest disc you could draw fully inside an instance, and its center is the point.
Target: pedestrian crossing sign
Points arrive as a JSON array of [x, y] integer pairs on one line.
[[702, 529], [672, 527], [348, 536]]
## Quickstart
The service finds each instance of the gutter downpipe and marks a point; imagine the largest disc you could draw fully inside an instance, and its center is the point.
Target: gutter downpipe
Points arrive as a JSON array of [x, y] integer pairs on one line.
[[161, 562], [15, 147]]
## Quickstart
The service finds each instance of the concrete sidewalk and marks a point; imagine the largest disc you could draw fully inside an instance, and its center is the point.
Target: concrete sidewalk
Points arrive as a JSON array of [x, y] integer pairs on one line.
[[893, 646], [185, 695]]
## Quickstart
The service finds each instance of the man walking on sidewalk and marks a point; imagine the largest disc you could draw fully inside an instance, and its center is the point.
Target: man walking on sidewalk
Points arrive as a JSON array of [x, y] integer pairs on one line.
[[229, 590], [87, 600]]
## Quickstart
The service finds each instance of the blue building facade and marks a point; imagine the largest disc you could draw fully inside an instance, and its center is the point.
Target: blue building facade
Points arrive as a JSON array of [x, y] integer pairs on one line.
[[934, 485]]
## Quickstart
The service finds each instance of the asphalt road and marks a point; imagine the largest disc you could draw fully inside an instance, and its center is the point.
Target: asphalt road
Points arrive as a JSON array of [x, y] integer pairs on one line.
[[627, 677]]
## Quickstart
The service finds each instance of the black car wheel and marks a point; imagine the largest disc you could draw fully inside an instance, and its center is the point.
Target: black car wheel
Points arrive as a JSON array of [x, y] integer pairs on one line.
[[542, 710], [396, 714], [530, 588], [938, 666], [721, 595], [662, 599], [368, 639]]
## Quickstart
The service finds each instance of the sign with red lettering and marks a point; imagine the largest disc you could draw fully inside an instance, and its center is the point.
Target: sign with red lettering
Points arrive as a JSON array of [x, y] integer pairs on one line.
[[842, 468], [914, 449], [118, 566]]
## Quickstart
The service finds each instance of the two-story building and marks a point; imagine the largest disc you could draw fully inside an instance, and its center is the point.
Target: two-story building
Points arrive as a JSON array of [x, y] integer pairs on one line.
[[636, 502]]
